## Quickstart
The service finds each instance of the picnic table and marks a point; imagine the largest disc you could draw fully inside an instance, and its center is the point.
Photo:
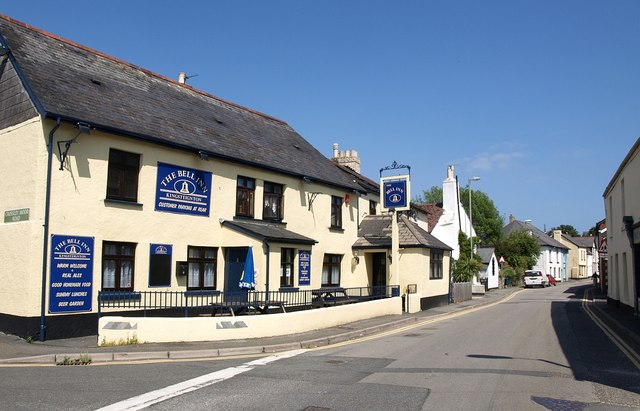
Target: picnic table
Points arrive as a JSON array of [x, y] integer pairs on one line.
[[331, 296], [237, 307]]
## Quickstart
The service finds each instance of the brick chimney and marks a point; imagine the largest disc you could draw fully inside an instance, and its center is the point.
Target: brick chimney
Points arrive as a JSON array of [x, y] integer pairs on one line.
[[347, 158], [512, 218]]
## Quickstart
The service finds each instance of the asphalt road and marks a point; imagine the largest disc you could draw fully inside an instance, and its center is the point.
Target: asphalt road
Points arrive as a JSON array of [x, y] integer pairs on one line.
[[535, 351]]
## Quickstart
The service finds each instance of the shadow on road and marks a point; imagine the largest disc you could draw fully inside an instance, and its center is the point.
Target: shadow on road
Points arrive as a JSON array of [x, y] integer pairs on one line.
[[591, 354]]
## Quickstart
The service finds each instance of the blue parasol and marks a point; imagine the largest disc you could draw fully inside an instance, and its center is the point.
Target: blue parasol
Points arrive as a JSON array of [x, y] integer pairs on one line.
[[247, 279]]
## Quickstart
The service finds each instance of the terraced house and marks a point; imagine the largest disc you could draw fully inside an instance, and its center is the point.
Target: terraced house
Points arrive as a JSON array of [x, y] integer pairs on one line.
[[118, 180]]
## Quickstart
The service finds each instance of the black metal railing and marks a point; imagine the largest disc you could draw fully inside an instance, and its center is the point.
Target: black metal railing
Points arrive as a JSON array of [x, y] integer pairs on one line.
[[187, 303]]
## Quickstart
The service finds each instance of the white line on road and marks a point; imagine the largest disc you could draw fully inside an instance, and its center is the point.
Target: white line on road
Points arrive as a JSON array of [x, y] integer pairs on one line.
[[163, 394]]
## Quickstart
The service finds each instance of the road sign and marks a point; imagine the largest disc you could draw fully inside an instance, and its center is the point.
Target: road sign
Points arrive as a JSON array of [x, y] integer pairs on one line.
[[602, 250]]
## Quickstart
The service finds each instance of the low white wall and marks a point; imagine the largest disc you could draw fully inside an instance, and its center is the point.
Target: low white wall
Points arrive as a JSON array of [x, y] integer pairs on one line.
[[114, 330]]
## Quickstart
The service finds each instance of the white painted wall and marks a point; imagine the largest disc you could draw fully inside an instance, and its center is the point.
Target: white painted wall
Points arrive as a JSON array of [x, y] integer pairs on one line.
[[158, 329], [622, 198]]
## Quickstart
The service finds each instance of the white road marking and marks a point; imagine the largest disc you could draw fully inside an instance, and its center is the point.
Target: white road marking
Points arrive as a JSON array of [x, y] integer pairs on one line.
[[163, 394]]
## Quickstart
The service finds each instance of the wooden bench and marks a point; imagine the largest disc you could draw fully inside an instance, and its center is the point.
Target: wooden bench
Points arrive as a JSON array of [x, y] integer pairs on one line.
[[331, 296], [237, 307]]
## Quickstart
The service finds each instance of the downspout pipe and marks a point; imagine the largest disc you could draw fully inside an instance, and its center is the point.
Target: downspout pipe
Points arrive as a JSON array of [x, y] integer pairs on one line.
[[266, 243], [45, 239]]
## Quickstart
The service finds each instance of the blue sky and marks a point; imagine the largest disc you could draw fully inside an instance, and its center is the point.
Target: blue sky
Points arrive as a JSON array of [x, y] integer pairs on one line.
[[540, 98]]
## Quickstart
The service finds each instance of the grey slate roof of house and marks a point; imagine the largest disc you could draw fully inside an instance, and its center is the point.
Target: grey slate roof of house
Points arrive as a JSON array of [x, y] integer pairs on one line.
[[543, 238], [78, 84], [375, 232], [485, 254], [267, 232], [583, 242]]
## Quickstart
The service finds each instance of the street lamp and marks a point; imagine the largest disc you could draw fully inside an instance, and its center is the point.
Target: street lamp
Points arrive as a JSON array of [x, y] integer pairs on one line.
[[475, 178]]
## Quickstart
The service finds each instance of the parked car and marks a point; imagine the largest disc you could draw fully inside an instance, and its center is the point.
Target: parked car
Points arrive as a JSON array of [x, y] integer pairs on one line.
[[534, 278], [552, 280]]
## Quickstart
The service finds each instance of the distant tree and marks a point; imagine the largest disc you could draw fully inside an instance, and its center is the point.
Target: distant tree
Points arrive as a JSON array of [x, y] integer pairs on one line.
[[431, 196], [567, 229], [520, 250], [487, 221], [466, 266], [592, 231]]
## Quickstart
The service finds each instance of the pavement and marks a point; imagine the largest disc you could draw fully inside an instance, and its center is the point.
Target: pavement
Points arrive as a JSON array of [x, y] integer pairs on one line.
[[14, 350]]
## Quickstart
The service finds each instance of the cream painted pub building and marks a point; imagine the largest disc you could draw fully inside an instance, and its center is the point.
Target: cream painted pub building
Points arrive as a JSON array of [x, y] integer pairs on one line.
[[116, 179]]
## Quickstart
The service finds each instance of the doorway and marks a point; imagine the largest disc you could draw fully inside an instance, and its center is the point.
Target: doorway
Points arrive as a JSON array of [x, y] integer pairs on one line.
[[234, 259], [379, 273]]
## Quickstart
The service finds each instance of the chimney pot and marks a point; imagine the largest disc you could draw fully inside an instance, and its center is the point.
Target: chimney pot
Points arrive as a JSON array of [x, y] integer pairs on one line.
[[182, 77]]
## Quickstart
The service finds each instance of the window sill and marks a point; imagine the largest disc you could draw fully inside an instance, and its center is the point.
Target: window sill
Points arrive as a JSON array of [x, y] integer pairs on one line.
[[109, 201], [119, 295], [289, 289], [281, 222], [243, 217], [198, 293], [337, 229]]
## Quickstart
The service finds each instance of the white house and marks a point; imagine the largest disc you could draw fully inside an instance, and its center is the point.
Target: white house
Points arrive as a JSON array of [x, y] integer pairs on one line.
[[490, 269], [622, 209], [447, 220], [553, 254]]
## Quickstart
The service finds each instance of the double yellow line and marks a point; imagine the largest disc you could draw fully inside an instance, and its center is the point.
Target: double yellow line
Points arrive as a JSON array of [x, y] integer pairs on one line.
[[633, 356]]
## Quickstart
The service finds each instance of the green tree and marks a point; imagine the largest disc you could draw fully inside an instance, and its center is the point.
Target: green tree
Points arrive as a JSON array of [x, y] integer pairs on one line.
[[520, 250], [487, 221], [567, 229], [592, 232], [467, 266], [431, 196]]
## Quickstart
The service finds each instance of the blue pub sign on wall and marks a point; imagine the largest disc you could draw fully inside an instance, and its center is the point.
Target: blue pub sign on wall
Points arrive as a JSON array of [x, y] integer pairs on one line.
[[183, 190], [71, 279], [395, 193]]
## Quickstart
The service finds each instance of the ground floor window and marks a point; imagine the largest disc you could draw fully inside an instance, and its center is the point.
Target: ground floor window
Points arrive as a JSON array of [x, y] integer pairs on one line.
[[436, 265], [331, 270], [118, 261], [286, 267], [202, 268]]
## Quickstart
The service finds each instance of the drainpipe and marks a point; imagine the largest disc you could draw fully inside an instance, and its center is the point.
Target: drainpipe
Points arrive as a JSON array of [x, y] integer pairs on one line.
[[45, 240], [266, 243]]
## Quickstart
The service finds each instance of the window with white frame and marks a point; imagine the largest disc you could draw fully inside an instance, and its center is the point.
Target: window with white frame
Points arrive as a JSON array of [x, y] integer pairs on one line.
[[118, 261], [202, 268]]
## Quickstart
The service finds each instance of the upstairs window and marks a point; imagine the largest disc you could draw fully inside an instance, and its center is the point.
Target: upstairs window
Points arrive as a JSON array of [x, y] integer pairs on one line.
[[372, 207], [202, 268], [122, 176], [331, 270], [118, 260], [272, 202], [436, 265], [336, 212], [245, 194]]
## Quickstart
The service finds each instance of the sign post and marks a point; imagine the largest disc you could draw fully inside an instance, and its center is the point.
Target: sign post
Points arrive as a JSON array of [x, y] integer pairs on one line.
[[395, 194]]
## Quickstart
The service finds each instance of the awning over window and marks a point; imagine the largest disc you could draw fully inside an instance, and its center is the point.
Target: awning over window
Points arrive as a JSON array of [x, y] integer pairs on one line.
[[268, 232]]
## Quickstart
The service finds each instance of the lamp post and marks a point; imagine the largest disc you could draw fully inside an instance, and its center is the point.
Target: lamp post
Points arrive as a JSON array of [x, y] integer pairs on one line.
[[475, 178]]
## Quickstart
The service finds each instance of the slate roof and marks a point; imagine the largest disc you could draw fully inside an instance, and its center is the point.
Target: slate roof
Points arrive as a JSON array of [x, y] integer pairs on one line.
[[367, 184], [375, 232], [267, 232], [70, 81], [544, 239], [434, 212], [485, 253], [583, 242]]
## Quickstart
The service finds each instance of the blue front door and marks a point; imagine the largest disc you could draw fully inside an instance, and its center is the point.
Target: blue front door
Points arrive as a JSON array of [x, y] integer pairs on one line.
[[234, 263]]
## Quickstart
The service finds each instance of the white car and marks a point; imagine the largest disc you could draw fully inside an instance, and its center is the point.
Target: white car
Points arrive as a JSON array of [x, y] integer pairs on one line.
[[534, 278]]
